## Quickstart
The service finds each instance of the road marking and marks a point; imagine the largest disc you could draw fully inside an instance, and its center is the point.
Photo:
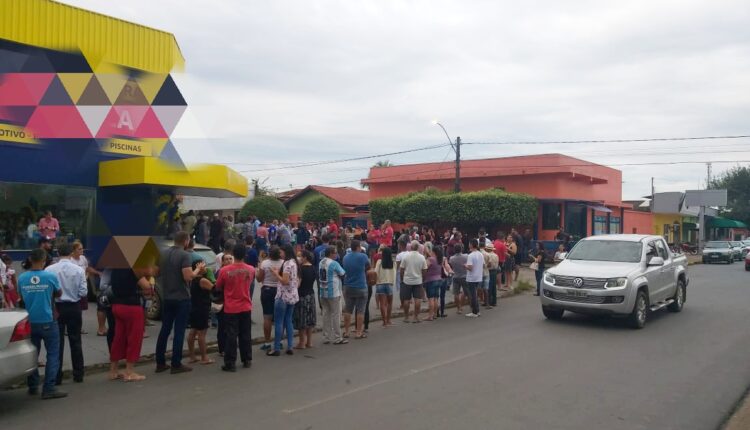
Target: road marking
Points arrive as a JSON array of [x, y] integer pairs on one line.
[[381, 382]]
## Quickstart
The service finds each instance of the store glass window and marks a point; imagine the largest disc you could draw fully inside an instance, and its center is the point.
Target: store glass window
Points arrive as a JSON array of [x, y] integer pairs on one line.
[[614, 225], [551, 216], [600, 224], [22, 206]]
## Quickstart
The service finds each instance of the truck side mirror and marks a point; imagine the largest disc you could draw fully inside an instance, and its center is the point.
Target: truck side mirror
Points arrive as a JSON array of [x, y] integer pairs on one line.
[[656, 261]]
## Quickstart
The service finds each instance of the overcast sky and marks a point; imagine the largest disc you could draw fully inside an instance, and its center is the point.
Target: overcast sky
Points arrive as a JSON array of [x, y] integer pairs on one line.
[[300, 81]]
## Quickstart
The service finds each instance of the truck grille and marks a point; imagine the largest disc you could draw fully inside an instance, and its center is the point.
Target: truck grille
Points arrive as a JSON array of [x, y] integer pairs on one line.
[[591, 283], [570, 298]]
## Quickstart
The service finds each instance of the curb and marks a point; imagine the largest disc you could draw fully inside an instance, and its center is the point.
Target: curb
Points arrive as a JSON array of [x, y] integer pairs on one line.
[[212, 347]]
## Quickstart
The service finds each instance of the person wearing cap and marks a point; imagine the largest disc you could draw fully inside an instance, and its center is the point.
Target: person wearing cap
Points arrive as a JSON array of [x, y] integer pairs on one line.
[[493, 264]]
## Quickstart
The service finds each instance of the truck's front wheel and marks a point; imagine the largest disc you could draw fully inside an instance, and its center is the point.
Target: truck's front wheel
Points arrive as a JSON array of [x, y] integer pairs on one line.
[[553, 314], [637, 318]]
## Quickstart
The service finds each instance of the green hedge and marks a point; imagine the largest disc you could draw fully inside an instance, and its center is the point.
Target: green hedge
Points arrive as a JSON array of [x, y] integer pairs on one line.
[[472, 208], [320, 209], [267, 208]]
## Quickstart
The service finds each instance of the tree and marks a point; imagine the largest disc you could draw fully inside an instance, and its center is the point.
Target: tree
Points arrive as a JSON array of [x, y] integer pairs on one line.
[[737, 184], [320, 209], [267, 208], [383, 163]]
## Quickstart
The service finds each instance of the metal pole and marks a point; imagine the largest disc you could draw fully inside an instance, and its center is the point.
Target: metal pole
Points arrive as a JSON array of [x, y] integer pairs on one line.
[[702, 227], [458, 165]]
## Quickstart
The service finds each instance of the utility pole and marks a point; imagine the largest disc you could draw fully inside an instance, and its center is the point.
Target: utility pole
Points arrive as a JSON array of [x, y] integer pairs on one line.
[[458, 165], [708, 175]]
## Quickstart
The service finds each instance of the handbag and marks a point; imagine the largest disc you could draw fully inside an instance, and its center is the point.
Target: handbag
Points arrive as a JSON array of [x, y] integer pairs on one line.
[[105, 297], [534, 266]]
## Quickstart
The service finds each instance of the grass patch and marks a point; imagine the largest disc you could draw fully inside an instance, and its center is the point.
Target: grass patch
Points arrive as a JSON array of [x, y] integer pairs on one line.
[[523, 286]]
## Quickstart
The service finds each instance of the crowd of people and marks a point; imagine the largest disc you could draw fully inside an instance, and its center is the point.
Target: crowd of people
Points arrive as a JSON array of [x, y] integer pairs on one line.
[[348, 264]]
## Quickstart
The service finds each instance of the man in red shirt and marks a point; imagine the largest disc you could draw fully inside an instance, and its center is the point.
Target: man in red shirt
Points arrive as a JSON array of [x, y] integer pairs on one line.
[[333, 229], [386, 234], [502, 253], [235, 281]]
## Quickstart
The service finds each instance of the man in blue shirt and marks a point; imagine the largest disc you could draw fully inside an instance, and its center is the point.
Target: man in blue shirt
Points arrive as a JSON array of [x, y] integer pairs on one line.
[[356, 265], [320, 251], [38, 289]]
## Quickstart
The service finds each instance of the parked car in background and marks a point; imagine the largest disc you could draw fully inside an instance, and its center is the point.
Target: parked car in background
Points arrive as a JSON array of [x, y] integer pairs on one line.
[[622, 274], [18, 356], [153, 311], [718, 251], [745, 248], [736, 250], [747, 262]]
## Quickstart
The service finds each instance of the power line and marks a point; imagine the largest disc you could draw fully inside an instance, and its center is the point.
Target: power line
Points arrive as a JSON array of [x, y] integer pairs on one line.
[[343, 160], [658, 139]]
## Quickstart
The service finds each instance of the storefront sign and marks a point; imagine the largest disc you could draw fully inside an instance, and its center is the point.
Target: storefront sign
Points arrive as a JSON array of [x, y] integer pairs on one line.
[[13, 133], [143, 148]]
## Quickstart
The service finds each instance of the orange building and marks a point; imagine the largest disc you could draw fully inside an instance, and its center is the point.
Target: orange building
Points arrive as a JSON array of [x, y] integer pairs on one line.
[[583, 197]]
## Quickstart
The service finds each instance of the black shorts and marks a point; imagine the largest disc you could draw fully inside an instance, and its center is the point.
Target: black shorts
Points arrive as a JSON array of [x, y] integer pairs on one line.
[[199, 319], [410, 291], [267, 299]]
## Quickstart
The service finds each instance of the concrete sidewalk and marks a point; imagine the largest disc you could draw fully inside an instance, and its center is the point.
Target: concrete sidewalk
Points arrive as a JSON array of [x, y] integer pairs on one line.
[[96, 353]]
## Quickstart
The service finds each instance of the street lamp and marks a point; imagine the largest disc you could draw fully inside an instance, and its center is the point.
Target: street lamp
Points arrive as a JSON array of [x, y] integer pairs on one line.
[[457, 149]]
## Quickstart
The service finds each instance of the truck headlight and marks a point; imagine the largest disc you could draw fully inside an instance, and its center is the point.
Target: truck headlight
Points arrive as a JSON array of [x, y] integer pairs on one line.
[[616, 283], [549, 278]]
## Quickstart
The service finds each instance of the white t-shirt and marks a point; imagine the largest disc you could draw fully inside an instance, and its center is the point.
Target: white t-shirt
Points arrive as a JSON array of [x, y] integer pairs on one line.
[[81, 262], [476, 261], [270, 279], [413, 264]]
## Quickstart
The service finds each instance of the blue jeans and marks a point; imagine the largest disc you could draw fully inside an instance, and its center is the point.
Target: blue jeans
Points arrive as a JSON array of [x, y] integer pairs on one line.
[[539, 275], [173, 313], [282, 319], [50, 334]]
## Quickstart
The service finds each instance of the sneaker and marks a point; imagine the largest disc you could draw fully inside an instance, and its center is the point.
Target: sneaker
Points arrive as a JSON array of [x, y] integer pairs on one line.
[[162, 368], [247, 364], [289, 352], [226, 368], [33, 391], [54, 395], [265, 347], [471, 315], [181, 369]]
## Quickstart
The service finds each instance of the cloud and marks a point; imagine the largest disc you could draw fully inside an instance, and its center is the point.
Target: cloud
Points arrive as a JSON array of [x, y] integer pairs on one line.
[[294, 81]]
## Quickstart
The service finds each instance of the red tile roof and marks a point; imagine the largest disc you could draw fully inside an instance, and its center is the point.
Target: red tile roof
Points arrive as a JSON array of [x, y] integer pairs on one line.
[[345, 196]]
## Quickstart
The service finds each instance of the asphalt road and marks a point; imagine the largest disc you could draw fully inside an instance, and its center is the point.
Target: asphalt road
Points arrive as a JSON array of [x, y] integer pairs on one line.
[[509, 369]]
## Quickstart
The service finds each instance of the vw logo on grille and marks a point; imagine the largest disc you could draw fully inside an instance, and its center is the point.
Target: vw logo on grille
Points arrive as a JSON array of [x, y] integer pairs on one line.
[[578, 282]]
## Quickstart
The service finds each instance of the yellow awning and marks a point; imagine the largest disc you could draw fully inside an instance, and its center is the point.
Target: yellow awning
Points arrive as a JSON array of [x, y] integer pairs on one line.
[[206, 180]]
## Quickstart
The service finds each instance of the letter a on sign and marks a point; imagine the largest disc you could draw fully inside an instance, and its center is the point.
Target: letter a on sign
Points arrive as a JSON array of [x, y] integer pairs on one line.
[[125, 120]]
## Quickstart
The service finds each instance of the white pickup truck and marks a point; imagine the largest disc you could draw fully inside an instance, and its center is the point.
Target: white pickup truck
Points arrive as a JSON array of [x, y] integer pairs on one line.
[[627, 275]]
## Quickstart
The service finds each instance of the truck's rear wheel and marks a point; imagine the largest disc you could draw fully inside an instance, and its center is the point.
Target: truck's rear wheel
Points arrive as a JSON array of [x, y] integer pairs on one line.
[[637, 318], [553, 314], [679, 297]]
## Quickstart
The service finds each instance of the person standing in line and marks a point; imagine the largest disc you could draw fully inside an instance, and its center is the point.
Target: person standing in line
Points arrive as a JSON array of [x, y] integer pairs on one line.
[[447, 281], [330, 273], [216, 233], [402, 252], [269, 281], [386, 272], [188, 222], [413, 269], [539, 256], [302, 234], [48, 226], [492, 264], [501, 250], [285, 234], [72, 281], [304, 311], [474, 269], [356, 265], [484, 289], [37, 289], [81, 261], [510, 262], [221, 332], [386, 234], [520, 253], [176, 272], [433, 279], [458, 265], [128, 287], [371, 277], [261, 237], [200, 308], [235, 280], [286, 297], [374, 238], [333, 229]]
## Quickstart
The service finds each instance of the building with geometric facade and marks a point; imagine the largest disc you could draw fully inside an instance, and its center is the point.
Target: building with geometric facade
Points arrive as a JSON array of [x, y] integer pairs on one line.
[[87, 107]]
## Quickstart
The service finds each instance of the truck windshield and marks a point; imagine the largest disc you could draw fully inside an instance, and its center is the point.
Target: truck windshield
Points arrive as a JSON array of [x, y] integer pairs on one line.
[[607, 250]]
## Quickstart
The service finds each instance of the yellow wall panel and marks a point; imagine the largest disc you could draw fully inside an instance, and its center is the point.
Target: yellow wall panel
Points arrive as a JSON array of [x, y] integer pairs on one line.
[[103, 40]]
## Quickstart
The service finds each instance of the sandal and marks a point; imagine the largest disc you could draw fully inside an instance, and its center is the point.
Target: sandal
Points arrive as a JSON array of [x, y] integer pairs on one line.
[[362, 336], [273, 353], [341, 342], [133, 378], [209, 361], [116, 377], [101, 334]]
